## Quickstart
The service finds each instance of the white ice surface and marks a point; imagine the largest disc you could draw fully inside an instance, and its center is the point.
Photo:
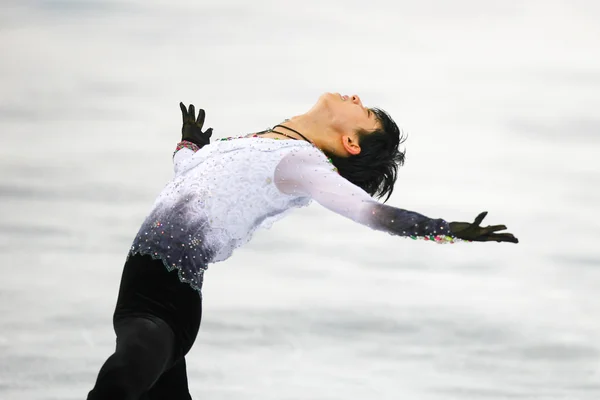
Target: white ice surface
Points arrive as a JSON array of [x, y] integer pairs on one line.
[[500, 101]]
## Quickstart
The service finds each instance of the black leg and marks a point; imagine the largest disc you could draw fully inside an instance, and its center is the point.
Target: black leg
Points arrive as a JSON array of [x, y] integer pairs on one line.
[[172, 385], [144, 351]]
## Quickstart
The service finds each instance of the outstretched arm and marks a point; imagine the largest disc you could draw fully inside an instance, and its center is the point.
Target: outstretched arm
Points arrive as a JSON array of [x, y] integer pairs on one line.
[[308, 173]]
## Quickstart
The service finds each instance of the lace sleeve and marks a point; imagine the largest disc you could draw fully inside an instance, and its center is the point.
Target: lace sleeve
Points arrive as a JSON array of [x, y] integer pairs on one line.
[[183, 151], [308, 173]]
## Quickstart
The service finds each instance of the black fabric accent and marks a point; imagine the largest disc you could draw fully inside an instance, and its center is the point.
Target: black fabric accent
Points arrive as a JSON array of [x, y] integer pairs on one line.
[[397, 221], [156, 320]]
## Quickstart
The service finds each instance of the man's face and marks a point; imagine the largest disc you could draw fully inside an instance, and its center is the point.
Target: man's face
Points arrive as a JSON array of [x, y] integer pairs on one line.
[[347, 113]]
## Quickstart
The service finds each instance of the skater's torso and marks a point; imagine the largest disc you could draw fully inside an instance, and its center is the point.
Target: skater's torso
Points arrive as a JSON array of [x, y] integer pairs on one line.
[[219, 196]]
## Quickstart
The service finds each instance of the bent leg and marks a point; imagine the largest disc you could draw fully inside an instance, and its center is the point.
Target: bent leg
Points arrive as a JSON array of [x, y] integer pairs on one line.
[[172, 385], [144, 351]]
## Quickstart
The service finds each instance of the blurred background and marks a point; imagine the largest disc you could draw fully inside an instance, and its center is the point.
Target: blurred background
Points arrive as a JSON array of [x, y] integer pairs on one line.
[[500, 101]]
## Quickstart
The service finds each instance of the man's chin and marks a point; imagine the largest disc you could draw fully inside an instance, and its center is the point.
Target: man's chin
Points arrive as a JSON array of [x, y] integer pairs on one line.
[[328, 97], [326, 101]]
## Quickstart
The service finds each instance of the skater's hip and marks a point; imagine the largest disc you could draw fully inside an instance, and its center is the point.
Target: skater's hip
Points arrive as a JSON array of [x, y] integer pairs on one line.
[[149, 289]]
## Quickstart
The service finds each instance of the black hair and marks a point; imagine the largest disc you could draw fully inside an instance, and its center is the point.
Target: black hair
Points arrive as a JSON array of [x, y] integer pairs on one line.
[[375, 168]]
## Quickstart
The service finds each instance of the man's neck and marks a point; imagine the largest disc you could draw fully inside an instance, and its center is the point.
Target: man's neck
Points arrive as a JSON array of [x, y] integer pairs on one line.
[[314, 130]]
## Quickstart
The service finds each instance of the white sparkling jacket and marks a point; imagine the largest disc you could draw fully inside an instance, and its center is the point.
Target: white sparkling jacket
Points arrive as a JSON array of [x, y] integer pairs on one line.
[[221, 194]]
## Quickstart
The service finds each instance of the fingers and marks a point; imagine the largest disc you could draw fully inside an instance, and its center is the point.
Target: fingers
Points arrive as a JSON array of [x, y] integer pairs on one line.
[[192, 114], [208, 132], [491, 229], [183, 111], [189, 115], [501, 237], [480, 218], [200, 120]]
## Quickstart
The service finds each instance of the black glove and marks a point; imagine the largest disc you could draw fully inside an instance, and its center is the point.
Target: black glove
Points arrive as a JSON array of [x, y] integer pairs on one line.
[[192, 127], [476, 233]]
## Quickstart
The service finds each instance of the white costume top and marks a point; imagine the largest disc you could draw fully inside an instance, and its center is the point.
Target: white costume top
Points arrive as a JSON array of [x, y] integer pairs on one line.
[[222, 193]]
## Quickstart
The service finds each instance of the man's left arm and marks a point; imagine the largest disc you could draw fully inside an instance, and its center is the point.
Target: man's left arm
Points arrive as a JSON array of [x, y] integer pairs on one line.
[[307, 173]]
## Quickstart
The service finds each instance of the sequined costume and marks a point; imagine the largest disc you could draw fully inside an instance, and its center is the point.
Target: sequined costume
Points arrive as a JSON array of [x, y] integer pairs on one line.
[[225, 191], [219, 196]]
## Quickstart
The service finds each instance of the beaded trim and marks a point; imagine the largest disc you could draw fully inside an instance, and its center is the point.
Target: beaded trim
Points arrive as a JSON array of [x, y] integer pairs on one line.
[[440, 239], [260, 137], [184, 144], [170, 268], [240, 137]]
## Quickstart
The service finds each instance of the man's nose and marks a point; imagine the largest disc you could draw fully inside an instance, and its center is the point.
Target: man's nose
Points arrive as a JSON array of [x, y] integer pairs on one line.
[[356, 99]]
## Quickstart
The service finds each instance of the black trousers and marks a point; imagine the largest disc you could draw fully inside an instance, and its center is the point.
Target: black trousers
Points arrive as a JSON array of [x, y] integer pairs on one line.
[[156, 320]]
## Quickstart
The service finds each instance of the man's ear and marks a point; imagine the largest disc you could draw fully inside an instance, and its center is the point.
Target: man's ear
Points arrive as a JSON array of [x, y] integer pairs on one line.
[[351, 145]]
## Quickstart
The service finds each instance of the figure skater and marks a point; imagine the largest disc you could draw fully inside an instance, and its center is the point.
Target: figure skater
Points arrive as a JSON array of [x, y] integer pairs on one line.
[[339, 153]]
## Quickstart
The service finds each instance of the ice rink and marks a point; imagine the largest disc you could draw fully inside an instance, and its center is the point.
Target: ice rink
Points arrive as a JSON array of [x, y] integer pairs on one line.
[[501, 104]]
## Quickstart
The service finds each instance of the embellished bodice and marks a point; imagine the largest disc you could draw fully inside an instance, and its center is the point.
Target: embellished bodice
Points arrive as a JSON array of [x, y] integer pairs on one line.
[[234, 186], [219, 196]]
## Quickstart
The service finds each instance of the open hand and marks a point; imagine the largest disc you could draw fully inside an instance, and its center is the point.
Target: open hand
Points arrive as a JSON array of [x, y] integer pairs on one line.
[[192, 126], [476, 233]]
